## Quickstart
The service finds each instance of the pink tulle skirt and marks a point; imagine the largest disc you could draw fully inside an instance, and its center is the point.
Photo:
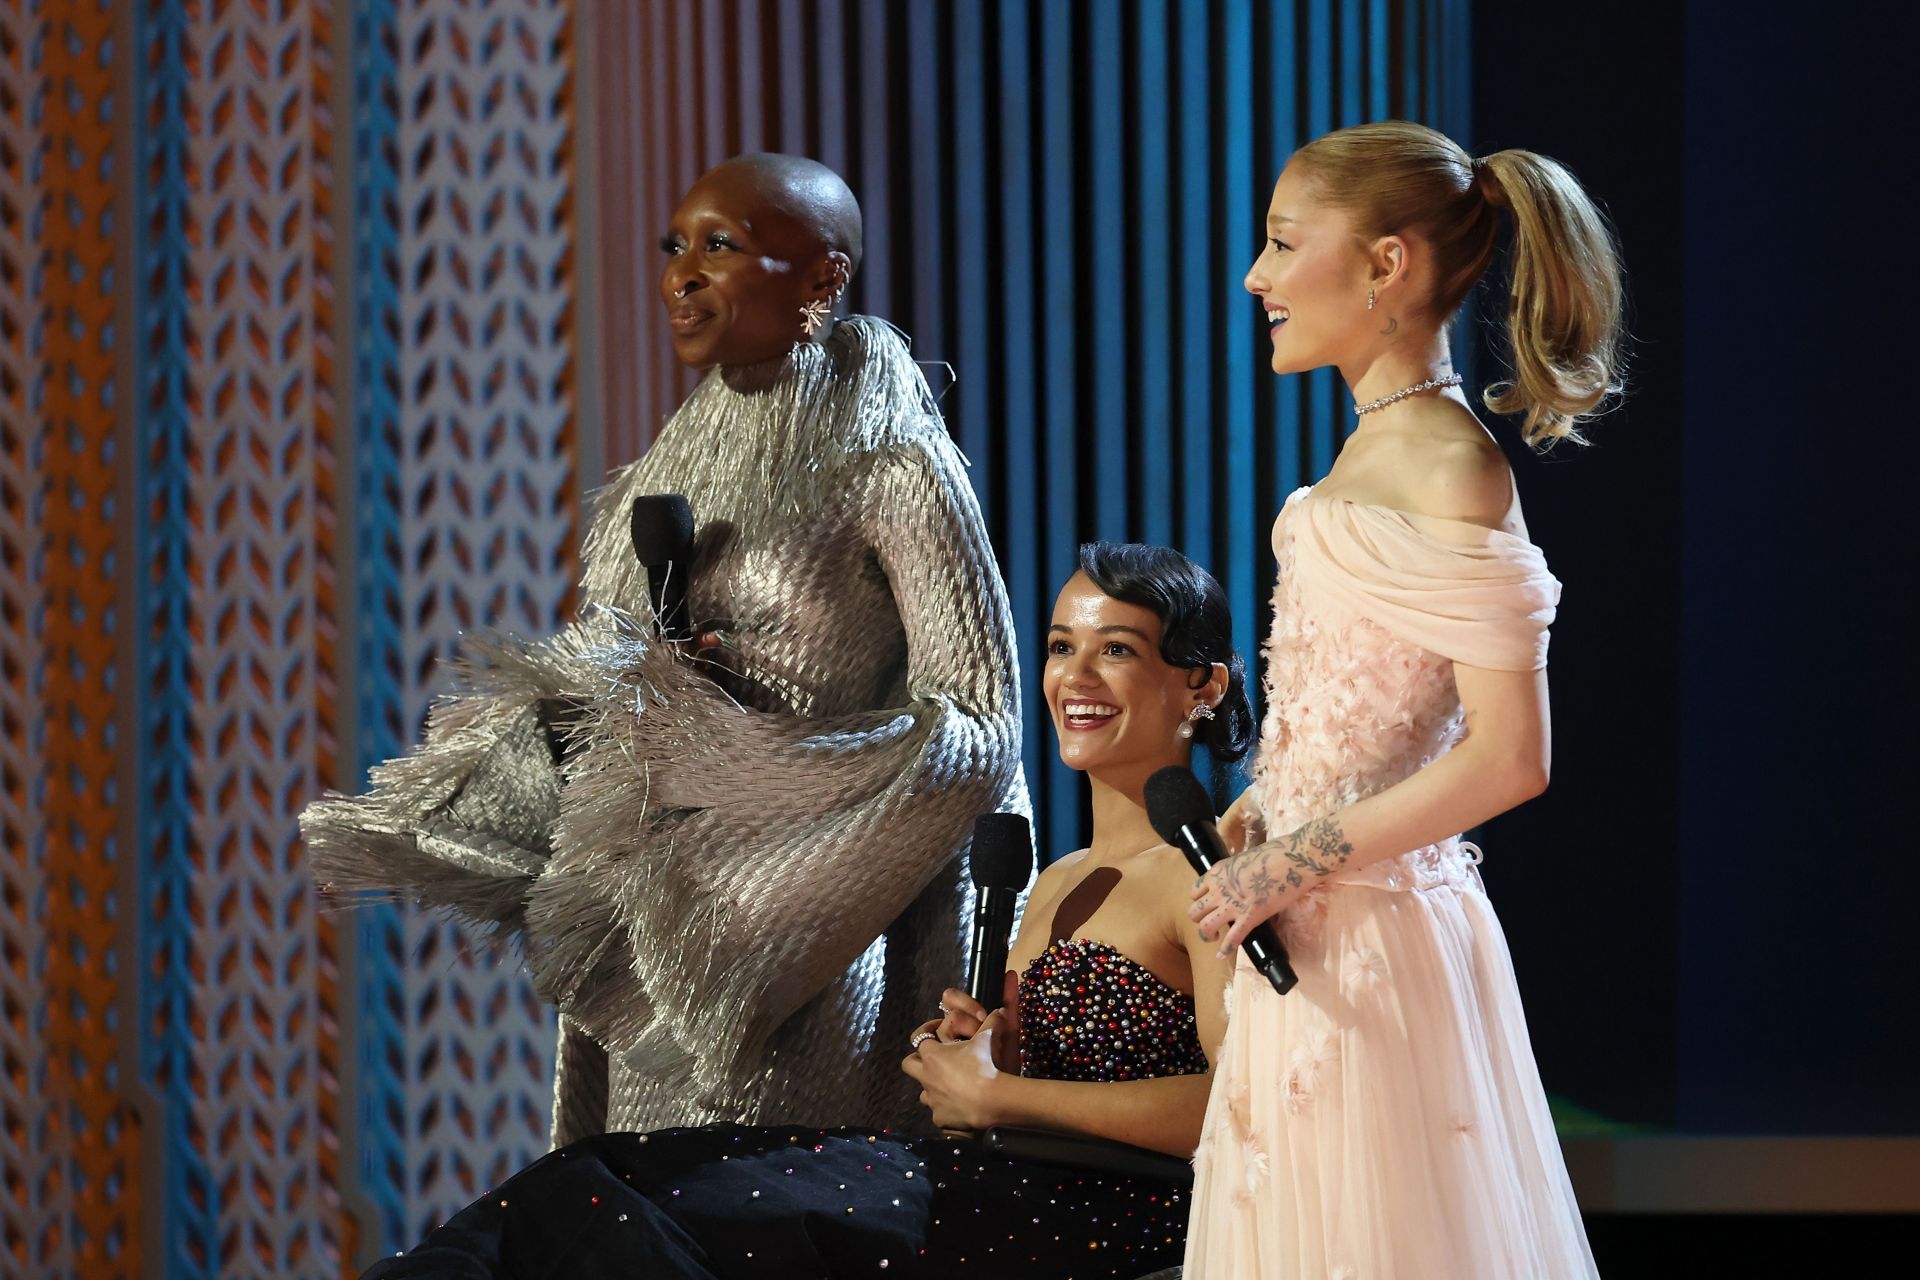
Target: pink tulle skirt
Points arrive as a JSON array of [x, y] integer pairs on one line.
[[1385, 1119]]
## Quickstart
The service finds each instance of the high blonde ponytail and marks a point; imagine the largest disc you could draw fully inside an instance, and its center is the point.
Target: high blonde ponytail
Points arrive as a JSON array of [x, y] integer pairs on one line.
[[1565, 303], [1566, 299]]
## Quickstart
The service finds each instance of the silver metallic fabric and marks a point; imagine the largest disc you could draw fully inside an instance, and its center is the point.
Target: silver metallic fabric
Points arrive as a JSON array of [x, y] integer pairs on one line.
[[742, 886]]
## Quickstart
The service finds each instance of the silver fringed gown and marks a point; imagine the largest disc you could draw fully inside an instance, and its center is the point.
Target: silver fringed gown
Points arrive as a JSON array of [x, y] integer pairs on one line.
[[742, 889]]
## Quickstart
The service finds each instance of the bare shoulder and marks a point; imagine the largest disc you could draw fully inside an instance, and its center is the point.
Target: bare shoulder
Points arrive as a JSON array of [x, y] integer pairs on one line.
[[1436, 459], [1462, 476], [1063, 868], [1169, 874], [1162, 869], [1066, 860], [1168, 881]]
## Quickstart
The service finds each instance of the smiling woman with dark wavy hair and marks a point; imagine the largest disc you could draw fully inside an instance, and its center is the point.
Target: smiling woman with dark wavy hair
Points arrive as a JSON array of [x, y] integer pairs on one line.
[[732, 864], [1196, 630]]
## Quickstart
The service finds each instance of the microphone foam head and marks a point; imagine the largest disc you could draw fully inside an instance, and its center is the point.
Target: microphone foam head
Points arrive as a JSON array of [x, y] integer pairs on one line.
[[1002, 853], [1175, 799], [662, 527]]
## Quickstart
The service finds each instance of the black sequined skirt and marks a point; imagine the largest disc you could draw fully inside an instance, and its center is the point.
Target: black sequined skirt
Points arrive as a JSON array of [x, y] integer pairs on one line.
[[726, 1201]]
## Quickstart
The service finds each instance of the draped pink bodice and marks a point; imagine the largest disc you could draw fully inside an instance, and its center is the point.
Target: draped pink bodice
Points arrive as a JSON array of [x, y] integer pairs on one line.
[[1372, 609]]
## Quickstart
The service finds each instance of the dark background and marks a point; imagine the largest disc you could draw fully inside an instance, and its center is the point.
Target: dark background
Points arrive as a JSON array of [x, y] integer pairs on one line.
[[1733, 666], [1597, 951], [1733, 675]]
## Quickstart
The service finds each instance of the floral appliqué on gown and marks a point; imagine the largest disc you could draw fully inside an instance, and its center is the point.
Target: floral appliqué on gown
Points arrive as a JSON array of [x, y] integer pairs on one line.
[[1385, 1120]]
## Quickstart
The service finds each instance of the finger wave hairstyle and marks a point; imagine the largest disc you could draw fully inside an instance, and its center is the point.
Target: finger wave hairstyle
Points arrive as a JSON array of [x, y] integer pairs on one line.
[[1566, 295], [1196, 628]]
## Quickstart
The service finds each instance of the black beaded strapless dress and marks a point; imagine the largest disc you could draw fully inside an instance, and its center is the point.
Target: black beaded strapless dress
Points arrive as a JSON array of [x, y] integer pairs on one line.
[[724, 1201]]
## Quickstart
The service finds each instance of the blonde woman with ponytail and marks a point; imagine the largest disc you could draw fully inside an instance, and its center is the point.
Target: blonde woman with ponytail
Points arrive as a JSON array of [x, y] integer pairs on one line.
[[1385, 1119]]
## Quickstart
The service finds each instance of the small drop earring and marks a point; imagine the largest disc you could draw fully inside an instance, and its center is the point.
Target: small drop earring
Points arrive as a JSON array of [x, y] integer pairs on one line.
[[1369, 299], [1201, 711]]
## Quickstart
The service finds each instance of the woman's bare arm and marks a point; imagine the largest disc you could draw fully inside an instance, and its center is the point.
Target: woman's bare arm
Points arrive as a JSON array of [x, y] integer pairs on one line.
[[966, 1090], [1503, 761]]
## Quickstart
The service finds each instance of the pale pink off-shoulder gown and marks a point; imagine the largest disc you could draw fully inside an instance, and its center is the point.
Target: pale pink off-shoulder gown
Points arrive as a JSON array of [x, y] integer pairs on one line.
[[1385, 1119]]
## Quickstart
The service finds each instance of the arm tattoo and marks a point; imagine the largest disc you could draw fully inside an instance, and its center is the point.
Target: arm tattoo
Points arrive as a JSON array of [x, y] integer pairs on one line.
[[1315, 851], [1319, 849]]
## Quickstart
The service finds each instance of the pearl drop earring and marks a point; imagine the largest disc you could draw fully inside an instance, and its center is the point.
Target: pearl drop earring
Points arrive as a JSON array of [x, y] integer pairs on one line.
[[1201, 711]]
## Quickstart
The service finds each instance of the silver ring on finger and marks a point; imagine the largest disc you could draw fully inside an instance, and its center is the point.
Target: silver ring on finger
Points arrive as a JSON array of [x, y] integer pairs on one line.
[[919, 1036]]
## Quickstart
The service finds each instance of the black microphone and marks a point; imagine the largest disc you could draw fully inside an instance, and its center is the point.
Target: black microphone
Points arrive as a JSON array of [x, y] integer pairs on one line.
[[663, 541], [1182, 814], [1001, 862]]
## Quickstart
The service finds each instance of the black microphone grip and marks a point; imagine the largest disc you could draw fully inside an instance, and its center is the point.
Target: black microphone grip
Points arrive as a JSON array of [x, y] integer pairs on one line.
[[667, 593], [987, 957], [1202, 848]]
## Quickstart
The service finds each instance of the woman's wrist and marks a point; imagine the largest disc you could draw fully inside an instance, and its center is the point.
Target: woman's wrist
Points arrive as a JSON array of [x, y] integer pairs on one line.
[[1004, 1099], [1294, 863]]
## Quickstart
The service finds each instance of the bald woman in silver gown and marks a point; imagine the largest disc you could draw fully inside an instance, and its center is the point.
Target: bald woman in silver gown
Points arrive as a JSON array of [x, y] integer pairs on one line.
[[741, 887]]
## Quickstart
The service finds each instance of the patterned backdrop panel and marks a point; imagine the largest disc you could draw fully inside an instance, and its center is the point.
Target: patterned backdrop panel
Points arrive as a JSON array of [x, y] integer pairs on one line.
[[238, 428], [35, 1160], [1062, 198], [70, 1138], [467, 494]]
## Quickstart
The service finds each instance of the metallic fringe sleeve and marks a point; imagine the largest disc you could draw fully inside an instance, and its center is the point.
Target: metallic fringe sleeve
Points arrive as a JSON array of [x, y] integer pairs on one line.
[[715, 867], [464, 822]]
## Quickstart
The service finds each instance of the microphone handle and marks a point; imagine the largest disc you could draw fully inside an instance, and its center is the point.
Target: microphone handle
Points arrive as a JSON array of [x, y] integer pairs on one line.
[[1202, 848], [987, 958], [667, 593]]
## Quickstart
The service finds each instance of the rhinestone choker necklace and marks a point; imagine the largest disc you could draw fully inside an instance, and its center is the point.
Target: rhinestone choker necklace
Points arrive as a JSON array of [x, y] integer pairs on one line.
[[1431, 384]]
